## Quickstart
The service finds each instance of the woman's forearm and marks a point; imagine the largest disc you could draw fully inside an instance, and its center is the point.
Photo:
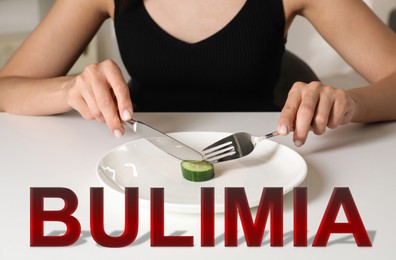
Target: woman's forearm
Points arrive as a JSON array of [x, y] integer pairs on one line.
[[28, 96], [376, 102]]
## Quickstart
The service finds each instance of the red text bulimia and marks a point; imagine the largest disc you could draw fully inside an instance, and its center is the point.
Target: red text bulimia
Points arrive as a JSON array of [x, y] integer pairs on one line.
[[235, 206]]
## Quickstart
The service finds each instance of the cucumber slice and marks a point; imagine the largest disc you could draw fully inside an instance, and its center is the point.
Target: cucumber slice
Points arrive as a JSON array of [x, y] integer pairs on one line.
[[197, 170]]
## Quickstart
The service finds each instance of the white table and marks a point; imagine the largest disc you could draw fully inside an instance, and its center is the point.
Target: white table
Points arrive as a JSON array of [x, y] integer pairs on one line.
[[63, 151]]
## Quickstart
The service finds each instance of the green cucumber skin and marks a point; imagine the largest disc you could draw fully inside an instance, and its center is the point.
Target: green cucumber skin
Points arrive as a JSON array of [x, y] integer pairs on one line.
[[198, 174]]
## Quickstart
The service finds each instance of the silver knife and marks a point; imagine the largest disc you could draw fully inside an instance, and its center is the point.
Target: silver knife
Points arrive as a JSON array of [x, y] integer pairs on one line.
[[164, 141]]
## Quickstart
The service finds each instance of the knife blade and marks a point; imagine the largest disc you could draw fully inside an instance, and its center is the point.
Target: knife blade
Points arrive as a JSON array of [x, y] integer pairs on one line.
[[163, 141]]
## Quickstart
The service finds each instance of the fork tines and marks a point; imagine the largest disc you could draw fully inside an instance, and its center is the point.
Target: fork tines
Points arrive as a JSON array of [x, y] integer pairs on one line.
[[217, 153]]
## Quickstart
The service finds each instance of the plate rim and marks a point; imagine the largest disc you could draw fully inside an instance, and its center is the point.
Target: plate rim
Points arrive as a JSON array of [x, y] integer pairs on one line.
[[194, 208]]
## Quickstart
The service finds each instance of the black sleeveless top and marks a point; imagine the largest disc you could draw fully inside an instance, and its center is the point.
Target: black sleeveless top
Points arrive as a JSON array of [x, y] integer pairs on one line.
[[233, 70]]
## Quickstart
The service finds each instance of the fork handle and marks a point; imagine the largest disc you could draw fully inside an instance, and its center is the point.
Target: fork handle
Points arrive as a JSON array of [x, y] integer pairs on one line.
[[275, 133], [257, 139]]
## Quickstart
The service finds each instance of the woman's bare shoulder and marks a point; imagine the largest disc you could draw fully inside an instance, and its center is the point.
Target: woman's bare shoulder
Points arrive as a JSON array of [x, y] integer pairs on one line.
[[103, 6], [107, 6]]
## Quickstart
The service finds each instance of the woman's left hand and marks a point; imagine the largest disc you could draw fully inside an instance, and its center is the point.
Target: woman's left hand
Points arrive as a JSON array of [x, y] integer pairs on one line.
[[315, 107]]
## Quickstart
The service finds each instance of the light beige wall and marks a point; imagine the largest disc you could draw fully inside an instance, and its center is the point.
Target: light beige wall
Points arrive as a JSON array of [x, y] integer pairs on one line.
[[18, 15]]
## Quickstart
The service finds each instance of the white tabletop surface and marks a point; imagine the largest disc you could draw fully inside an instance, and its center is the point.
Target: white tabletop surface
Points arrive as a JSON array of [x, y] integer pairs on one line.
[[63, 151]]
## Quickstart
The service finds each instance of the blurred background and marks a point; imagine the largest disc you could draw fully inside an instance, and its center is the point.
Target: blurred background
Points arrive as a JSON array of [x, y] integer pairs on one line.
[[19, 17]]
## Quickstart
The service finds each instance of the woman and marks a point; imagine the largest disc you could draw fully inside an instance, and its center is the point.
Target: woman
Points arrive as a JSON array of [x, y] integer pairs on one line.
[[211, 53]]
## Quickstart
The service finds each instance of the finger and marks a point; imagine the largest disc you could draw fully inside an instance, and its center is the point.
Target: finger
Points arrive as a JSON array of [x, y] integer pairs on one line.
[[107, 105], [289, 111], [322, 113], [91, 103], [81, 106], [120, 89], [340, 111], [304, 117]]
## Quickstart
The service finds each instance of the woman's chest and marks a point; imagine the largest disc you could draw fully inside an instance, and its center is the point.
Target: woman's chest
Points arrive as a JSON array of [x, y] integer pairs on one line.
[[192, 21]]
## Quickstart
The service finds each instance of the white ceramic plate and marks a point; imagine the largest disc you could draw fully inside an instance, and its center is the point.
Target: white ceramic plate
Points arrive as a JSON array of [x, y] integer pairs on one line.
[[141, 164]]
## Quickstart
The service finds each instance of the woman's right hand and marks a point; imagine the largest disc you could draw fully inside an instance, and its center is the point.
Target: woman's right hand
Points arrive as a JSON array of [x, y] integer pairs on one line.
[[100, 92]]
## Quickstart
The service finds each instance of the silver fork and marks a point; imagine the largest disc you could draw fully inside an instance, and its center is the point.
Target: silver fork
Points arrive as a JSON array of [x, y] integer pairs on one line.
[[233, 147]]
